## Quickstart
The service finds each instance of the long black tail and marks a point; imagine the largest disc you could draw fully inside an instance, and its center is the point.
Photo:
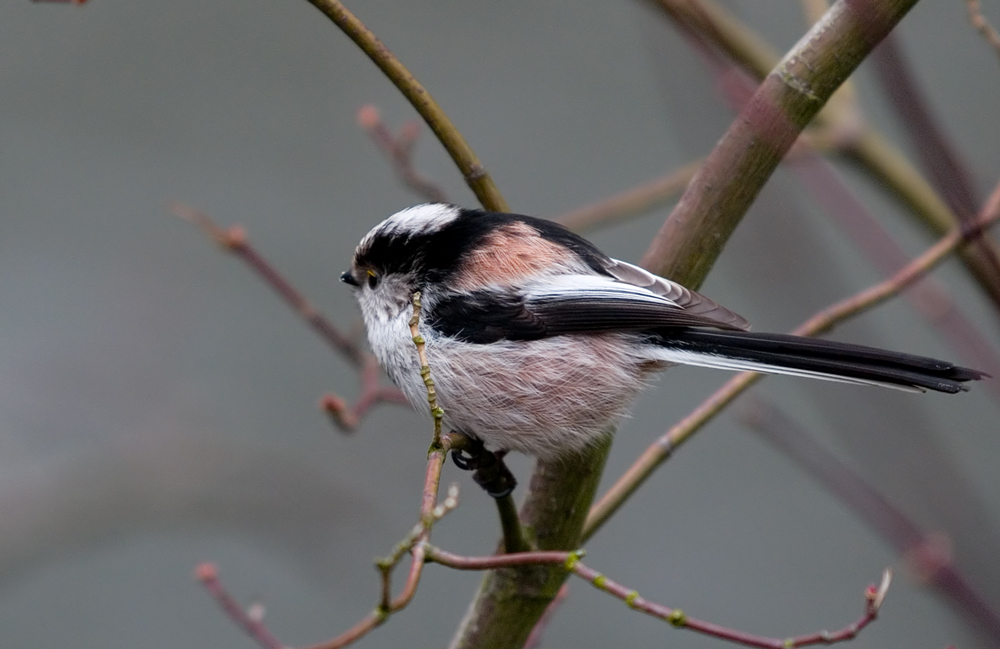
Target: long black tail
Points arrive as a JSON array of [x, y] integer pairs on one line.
[[812, 357]]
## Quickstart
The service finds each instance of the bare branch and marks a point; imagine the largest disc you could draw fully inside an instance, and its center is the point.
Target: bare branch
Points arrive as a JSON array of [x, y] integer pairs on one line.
[[821, 322], [535, 639], [631, 202], [473, 171], [345, 417], [789, 97], [234, 240], [979, 21], [841, 122], [399, 150], [414, 544], [922, 549], [208, 575], [874, 596]]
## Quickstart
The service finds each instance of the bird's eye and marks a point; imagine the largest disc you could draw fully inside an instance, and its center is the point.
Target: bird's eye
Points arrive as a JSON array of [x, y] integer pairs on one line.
[[373, 280]]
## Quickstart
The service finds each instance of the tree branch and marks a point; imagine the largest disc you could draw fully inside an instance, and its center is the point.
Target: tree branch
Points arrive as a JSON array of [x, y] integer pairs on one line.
[[789, 97], [890, 522], [399, 150], [343, 416], [630, 202], [473, 171], [570, 561], [984, 27], [854, 139], [821, 322]]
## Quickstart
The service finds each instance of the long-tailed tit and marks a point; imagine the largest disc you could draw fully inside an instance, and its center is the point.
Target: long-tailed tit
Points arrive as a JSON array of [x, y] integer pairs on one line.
[[537, 340]]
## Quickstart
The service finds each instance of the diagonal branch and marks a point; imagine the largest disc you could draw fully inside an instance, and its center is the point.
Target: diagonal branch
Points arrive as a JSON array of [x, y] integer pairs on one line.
[[923, 549], [984, 27], [631, 202], [821, 322], [345, 417], [854, 140], [473, 171], [399, 150], [789, 97]]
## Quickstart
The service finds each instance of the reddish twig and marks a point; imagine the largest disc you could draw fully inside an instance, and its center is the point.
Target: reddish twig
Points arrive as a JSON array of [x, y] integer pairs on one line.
[[663, 448], [399, 149], [818, 176], [926, 552], [930, 298], [346, 416], [253, 624], [414, 544], [631, 202], [535, 638], [946, 171], [874, 596], [979, 21], [234, 239], [473, 171]]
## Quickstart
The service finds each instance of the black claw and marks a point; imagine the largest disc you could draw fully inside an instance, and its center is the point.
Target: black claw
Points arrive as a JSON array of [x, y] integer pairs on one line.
[[494, 476], [464, 461], [489, 470]]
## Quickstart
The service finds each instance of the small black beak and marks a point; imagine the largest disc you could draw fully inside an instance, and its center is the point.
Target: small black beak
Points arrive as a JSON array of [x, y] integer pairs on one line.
[[347, 278]]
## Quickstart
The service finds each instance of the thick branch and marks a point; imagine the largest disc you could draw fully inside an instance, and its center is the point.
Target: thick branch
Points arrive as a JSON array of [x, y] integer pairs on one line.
[[790, 96], [511, 600], [862, 145]]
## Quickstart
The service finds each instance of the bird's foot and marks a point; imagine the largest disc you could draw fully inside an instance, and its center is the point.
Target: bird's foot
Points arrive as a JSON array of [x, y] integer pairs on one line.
[[489, 470]]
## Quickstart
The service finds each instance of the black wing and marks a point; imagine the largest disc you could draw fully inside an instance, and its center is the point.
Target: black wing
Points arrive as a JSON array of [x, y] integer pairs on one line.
[[567, 304]]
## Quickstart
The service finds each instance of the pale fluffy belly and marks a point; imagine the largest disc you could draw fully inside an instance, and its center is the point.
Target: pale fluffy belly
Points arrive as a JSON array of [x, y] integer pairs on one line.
[[546, 397]]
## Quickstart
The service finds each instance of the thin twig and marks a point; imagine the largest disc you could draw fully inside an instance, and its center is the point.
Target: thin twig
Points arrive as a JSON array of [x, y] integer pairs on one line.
[[979, 21], [234, 240], [874, 596], [535, 639], [631, 202], [430, 512], [919, 547], [510, 523], [414, 544], [399, 150], [425, 371], [947, 171], [253, 625], [932, 298], [345, 417], [821, 322], [473, 171], [840, 122]]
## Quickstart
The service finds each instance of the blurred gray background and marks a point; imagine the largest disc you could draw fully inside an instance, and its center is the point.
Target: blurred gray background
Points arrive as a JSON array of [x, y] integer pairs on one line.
[[158, 404]]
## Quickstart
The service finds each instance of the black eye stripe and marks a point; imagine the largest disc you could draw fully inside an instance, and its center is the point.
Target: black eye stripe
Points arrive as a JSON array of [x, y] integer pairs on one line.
[[373, 282]]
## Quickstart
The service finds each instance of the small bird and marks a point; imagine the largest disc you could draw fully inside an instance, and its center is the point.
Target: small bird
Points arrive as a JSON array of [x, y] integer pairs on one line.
[[537, 341]]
